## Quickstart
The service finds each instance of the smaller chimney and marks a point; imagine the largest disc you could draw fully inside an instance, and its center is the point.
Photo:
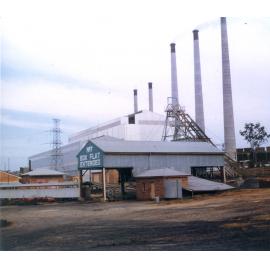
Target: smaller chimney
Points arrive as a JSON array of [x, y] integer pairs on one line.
[[30, 165], [135, 101], [150, 97], [174, 82]]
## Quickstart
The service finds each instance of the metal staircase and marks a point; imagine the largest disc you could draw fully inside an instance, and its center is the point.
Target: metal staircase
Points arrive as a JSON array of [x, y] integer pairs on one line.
[[232, 168]]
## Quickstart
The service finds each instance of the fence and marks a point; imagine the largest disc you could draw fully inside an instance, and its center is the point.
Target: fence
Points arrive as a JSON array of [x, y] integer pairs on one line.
[[261, 155], [52, 190]]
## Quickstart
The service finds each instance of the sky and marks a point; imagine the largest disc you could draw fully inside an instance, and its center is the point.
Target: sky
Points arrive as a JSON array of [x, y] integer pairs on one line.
[[79, 61]]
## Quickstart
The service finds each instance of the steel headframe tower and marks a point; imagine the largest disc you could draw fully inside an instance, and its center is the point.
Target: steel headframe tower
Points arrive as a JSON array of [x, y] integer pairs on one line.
[[179, 126], [56, 156]]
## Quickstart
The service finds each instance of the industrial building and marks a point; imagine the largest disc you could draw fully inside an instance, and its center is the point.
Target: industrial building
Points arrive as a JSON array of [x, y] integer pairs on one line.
[[171, 184], [138, 156], [141, 126], [43, 176], [132, 158], [162, 183], [145, 140]]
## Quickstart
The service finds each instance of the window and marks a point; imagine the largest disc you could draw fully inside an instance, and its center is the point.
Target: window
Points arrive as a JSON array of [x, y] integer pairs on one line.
[[144, 187], [131, 119]]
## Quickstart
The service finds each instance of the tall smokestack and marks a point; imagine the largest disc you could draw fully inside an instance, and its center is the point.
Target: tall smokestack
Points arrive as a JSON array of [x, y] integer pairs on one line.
[[174, 75], [199, 112], [229, 132], [150, 97], [135, 101]]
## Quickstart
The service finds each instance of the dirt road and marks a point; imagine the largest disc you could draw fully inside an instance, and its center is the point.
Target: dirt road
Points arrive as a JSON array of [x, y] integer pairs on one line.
[[236, 220]]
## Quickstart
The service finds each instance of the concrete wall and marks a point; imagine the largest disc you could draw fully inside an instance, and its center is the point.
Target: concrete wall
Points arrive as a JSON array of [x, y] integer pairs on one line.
[[35, 191]]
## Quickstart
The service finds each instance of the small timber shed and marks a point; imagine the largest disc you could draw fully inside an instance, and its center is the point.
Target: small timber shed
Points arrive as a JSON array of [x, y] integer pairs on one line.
[[163, 183], [42, 176], [131, 158], [6, 177]]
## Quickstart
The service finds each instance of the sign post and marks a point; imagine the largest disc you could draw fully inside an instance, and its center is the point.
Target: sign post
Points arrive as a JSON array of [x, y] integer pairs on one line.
[[91, 158], [104, 183]]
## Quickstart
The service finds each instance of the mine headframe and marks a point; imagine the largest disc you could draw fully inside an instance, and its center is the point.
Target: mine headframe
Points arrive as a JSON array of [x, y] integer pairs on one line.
[[179, 126]]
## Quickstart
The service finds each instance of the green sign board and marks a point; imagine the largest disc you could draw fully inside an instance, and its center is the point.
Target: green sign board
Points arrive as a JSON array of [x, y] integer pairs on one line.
[[90, 157]]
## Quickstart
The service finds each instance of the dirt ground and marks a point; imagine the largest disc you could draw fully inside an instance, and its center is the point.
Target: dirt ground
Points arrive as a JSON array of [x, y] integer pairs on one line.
[[235, 220]]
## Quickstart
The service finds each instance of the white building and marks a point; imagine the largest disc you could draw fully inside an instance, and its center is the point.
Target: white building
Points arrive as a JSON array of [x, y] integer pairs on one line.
[[141, 126]]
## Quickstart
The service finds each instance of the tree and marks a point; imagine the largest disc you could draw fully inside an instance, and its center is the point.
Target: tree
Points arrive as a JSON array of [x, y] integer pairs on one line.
[[255, 135]]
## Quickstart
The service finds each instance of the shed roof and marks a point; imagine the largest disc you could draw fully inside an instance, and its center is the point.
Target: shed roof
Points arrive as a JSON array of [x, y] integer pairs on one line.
[[122, 146], [160, 172], [200, 184], [4, 174], [43, 172]]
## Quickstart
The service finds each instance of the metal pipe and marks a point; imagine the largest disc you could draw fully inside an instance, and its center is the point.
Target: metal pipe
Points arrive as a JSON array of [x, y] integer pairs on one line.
[[229, 131], [150, 96], [174, 82], [199, 111]]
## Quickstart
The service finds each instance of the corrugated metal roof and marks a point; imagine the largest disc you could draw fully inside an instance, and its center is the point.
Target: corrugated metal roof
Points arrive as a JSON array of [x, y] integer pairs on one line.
[[161, 172], [122, 146], [107, 138], [200, 184], [43, 172]]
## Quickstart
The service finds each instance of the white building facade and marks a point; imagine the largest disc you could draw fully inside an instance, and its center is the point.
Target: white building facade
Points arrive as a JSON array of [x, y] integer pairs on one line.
[[140, 126]]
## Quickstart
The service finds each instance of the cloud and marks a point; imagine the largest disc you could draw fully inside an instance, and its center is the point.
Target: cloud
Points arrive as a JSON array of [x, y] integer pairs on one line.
[[18, 66], [34, 121], [9, 121], [58, 100]]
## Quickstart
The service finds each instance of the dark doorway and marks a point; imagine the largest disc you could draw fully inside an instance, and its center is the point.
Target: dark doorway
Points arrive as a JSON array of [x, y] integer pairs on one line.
[[131, 119], [127, 183], [211, 172]]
